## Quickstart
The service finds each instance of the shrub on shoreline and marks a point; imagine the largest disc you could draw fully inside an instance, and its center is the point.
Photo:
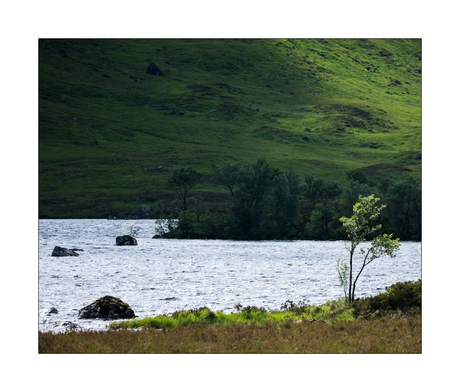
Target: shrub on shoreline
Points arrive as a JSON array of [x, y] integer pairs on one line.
[[398, 299]]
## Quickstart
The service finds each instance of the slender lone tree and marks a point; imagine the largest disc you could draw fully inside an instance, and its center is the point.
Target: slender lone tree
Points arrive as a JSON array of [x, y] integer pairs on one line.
[[358, 227], [182, 181]]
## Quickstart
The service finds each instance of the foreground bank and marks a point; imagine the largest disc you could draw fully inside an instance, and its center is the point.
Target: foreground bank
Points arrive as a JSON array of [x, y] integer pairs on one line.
[[387, 323]]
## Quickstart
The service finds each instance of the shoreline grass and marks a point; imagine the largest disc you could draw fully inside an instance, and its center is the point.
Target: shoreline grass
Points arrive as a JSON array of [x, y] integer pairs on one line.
[[290, 312], [398, 300]]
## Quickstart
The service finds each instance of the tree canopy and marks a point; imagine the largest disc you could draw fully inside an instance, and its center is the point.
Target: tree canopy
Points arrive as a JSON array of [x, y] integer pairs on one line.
[[182, 181]]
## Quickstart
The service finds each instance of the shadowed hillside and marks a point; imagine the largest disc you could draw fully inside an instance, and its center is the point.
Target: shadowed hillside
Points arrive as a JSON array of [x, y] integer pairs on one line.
[[117, 116]]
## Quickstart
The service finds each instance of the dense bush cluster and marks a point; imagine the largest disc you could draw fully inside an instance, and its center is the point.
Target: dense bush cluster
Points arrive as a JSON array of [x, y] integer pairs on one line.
[[268, 204], [398, 298]]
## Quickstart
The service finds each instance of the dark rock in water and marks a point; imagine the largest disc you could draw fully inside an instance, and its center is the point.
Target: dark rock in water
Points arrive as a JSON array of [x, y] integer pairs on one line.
[[61, 252], [307, 130], [126, 240], [152, 69], [108, 308], [53, 310], [418, 156], [306, 139]]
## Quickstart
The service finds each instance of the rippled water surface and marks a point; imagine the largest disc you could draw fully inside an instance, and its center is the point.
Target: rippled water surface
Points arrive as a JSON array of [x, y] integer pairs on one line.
[[160, 276]]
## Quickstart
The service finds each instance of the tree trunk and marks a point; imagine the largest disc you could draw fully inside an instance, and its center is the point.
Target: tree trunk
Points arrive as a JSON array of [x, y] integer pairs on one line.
[[356, 279], [351, 277]]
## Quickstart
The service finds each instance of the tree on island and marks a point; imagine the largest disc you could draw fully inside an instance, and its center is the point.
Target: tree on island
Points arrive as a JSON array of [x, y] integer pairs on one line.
[[182, 181], [228, 176], [358, 228], [254, 183]]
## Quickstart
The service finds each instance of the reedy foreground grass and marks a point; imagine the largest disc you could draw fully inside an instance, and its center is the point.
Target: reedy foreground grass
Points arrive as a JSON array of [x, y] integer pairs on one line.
[[383, 335]]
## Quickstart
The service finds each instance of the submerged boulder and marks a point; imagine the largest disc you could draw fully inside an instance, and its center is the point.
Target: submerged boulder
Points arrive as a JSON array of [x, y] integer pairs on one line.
[[61, 252], [107, 308], [68, 324], [53, 310], [126, 240]]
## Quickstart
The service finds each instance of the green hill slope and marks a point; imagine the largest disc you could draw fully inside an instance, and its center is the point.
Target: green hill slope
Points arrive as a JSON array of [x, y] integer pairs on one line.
[[110, 133]]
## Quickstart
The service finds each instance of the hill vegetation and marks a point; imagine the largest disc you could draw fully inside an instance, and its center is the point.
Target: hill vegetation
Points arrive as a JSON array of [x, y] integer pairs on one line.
[[117, 117]]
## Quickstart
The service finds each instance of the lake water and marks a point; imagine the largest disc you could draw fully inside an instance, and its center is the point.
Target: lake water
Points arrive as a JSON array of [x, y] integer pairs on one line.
[[160, 276]]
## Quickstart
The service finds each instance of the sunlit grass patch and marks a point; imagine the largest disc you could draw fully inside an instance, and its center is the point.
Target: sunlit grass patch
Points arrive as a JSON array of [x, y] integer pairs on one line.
[[329, 312], [206, 316]]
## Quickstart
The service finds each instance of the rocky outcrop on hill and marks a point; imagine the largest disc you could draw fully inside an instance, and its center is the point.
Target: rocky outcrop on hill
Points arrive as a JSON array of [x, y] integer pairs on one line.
[[126, 240], [61, 252], [108, 308], [152, 69]]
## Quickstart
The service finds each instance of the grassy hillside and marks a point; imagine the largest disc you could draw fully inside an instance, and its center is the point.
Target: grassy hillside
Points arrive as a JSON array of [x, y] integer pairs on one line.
[[110, 133]]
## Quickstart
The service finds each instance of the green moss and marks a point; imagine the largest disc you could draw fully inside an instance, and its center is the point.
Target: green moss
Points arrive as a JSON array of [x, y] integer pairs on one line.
[[104, 304]]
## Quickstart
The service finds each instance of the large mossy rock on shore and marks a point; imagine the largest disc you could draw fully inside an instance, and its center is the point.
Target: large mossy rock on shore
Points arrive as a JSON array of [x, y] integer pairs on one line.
[[126, 240], [61, 252], [108, 308]]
